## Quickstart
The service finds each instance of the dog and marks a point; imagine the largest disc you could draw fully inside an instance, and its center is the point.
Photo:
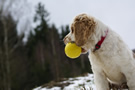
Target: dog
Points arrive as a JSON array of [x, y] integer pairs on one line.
[[111, 59]]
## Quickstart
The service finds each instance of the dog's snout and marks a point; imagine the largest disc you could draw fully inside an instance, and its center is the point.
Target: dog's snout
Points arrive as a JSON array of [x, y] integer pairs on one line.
[[66, 40]]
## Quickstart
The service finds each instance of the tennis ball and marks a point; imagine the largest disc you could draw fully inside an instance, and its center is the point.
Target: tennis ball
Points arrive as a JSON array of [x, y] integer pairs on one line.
[[72, 50]]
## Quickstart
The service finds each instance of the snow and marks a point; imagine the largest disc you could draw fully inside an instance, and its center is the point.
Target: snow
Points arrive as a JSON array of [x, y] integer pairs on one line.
[[78, 83]]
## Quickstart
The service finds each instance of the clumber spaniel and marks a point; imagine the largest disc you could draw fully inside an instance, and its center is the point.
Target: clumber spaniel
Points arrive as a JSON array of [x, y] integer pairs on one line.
[[111, 59]]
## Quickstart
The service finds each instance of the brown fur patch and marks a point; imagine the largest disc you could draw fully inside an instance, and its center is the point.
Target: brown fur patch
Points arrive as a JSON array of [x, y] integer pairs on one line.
[[83, 26]]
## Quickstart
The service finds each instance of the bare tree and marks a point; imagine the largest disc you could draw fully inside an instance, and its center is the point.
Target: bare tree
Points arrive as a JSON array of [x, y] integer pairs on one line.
[[5, 49], [5, 61]]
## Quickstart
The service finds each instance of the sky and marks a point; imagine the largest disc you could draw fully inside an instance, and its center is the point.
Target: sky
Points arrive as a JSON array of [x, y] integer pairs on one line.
[[119, 15]]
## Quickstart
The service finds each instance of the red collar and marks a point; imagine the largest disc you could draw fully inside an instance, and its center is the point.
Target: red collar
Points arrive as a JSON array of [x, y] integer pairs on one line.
[[98, 45]]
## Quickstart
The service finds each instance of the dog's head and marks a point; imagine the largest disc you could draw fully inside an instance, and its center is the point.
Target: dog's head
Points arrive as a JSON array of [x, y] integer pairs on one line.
[[82, 28]]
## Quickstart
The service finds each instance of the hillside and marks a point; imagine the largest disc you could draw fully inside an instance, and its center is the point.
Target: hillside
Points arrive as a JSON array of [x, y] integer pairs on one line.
[[84, 82]]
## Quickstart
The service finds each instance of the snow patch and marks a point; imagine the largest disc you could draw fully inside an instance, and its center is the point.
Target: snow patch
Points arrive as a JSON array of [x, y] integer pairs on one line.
[[78, 83]]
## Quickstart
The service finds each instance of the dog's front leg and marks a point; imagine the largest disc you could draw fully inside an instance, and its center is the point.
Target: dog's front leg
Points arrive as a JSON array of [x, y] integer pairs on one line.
[[101, 81]]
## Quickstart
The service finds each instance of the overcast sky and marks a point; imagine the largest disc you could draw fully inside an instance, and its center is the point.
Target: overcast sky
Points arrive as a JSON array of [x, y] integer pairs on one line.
[[117, 14]]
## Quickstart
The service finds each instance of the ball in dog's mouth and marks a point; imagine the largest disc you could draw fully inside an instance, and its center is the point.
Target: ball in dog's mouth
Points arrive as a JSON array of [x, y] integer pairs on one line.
[[72, 50]]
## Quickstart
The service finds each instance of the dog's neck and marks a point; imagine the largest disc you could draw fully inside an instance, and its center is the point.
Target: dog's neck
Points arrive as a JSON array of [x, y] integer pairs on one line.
[[98, 45], [100, 31]]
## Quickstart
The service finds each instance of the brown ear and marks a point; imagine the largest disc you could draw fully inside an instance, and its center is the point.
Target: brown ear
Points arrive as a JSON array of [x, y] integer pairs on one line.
[[83, 27]]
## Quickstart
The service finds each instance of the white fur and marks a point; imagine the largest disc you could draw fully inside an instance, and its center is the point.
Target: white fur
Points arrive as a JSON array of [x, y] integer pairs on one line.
[[113, 62]]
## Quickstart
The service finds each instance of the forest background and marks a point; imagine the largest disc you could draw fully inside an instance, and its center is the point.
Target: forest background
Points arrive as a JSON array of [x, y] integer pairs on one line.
[[40, 59]]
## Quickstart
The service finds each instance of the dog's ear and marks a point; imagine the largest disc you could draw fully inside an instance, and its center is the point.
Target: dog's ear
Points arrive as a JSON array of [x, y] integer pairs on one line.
[[83, 26]]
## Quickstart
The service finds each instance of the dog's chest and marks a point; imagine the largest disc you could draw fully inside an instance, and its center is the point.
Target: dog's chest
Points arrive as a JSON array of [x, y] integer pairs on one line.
[[109, 67], [113, 73]]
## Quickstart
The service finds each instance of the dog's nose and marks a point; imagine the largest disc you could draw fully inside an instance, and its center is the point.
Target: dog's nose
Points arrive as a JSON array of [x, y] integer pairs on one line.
[[67, 40], [64, 40]]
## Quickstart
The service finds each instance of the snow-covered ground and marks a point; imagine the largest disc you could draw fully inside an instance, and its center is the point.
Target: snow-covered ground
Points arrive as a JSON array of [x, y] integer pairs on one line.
[[78, 83]]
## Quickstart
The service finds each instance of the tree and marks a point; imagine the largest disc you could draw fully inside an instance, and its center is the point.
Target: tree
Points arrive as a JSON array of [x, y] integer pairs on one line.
[[38, 47], [9, 42], [38, 61], [5, 61], [134, 50]]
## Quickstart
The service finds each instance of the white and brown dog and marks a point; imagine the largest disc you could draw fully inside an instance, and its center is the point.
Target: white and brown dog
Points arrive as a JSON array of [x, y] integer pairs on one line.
[[111, 59]]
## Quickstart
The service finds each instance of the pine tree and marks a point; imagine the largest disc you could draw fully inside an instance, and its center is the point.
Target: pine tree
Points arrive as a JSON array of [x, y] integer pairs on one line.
[[39, 48], [46, 52]]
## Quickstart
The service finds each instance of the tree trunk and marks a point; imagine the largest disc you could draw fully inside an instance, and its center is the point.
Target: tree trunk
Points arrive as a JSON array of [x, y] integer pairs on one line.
[[7, 64], [3, 74], [55, 56]]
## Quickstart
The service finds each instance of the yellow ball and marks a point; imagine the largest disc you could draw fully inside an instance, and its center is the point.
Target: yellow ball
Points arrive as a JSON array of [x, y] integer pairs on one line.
[[72, 50]]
